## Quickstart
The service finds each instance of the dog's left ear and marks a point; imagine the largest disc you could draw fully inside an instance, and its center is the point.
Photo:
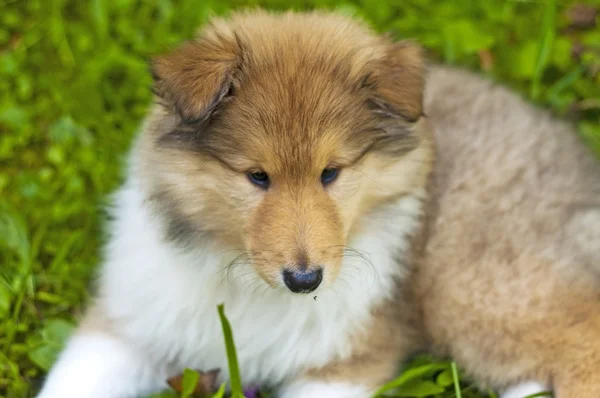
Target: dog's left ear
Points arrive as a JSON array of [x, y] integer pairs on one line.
[[194, 79], [397, 82]]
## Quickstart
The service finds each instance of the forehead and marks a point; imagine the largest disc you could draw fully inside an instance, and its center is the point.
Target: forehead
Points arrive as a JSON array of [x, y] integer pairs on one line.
[[296, 112]]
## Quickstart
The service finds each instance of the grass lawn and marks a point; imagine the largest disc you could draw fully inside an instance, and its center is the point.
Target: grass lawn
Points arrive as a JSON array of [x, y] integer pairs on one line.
[[74, 85]]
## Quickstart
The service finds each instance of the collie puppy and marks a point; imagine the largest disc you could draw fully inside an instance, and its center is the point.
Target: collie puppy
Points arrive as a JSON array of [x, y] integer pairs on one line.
[[288, 170]]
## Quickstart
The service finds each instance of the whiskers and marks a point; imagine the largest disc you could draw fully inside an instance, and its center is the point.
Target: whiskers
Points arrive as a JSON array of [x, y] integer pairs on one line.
[[357, 270], [241, 272]]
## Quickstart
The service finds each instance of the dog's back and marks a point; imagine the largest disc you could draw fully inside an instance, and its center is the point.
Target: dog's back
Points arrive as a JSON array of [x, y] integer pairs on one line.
[[500, 158], [515, 243]]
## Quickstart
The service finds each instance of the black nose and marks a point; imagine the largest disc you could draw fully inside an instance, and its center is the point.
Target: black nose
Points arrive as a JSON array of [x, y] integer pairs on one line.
[[303, 281]]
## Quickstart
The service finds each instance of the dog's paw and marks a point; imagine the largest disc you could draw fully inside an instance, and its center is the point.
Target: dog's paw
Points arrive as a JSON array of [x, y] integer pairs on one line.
[[524, 390]]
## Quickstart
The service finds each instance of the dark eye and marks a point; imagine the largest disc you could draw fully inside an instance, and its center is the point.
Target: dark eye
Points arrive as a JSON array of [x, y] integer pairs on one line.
[[259, 178], [329, 175]]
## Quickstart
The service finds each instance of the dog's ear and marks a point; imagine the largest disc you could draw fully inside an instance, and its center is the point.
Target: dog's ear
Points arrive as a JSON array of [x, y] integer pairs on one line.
[[195, 78], [397, 82]]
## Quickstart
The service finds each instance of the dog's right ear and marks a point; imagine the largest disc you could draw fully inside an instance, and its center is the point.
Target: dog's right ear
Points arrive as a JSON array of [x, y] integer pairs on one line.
[[195, 78]]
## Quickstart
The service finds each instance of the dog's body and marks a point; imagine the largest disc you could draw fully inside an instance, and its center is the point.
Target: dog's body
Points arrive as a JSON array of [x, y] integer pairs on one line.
[[510, 282], [497, 268]]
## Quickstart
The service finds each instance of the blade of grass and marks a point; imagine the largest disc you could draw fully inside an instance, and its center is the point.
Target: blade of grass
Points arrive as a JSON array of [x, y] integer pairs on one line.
[[234, 371], [547, 41], [566, 81], [455, 378]]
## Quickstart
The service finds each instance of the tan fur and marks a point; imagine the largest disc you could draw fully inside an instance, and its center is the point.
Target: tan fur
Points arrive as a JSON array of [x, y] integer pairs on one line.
[[507, 283], [508, 286]]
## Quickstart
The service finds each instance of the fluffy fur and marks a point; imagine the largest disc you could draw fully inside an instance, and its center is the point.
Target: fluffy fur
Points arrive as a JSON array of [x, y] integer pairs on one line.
[[491, 257], [509, 284]]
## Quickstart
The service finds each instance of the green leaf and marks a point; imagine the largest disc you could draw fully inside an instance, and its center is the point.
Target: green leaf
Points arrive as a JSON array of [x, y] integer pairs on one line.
[[523, 60], [592, 38], [55, 155], [418, 389], [9, 66], [561, 53], [410, 375], [13, 233], [11, 18], [445, 378], [220, 392], [49, 298], [64, 131], [100, 17], [14, 117], [467, 37], [190, 381], [5, 298], [57, 331], [234, 371], [44, 356], [54, 337]]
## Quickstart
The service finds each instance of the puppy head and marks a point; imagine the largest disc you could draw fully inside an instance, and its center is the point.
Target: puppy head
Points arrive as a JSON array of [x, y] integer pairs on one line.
[[278, 134]]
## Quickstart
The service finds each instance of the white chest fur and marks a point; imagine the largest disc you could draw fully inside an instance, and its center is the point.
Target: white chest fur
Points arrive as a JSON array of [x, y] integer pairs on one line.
[[165, 299]]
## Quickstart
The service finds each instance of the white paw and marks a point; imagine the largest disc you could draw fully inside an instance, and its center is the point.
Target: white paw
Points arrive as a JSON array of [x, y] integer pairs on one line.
[[100, 366], [524, 390], [313, 389]]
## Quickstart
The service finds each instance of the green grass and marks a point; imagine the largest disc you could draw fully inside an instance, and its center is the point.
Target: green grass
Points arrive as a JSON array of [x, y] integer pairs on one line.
[[74, 85]]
